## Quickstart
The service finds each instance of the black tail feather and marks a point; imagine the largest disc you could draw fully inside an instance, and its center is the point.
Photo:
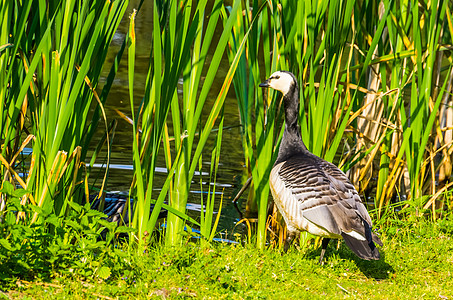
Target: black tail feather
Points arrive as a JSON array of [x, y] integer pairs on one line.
[[363, 249], [369, 235]]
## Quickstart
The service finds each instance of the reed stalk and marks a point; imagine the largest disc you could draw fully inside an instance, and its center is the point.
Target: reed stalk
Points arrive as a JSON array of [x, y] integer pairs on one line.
[[181, 40], [358, 64], [48, 85]]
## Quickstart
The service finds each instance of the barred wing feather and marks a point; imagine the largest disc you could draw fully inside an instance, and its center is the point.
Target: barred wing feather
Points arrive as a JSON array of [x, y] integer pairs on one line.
[[314, 195]]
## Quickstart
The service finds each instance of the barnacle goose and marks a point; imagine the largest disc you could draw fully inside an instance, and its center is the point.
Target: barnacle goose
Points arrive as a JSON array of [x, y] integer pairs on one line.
[[312, 194]]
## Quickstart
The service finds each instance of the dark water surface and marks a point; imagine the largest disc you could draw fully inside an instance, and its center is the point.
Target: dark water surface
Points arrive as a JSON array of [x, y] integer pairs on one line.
[[231, 166]]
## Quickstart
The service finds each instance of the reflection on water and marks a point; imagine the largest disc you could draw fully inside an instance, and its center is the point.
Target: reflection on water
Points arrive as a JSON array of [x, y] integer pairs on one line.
[[121, 170]]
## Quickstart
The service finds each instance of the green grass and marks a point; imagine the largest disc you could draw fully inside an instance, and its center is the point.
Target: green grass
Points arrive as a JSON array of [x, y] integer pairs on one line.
[[49, 237], [416, 263]]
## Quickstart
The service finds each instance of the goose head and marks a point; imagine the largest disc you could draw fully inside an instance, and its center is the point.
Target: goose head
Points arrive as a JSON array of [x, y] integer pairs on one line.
[[281, 81]]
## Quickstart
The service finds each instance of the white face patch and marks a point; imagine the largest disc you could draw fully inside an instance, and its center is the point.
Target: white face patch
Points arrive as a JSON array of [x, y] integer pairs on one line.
[[281, 81]]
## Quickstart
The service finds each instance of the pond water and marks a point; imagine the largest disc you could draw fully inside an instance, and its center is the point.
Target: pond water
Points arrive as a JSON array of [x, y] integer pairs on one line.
[[231, 169]]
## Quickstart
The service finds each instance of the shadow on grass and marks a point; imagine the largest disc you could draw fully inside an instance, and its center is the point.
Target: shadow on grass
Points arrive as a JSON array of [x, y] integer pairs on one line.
[[377, 269]]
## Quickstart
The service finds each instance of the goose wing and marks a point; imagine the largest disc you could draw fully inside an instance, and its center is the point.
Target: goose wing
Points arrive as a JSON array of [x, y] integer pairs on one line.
[[344, 189], [326, 198], [323, 193]]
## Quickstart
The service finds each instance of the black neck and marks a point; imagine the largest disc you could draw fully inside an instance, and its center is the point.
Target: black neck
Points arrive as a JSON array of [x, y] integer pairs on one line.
[[292, 141]]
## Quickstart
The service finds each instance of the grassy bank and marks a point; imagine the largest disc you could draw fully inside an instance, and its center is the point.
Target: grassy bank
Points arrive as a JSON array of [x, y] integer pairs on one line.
[[376, 83], [417, 263]]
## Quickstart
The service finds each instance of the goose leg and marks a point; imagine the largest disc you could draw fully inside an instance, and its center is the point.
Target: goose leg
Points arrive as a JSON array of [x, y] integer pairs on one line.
[[325, 242], [288, 241]]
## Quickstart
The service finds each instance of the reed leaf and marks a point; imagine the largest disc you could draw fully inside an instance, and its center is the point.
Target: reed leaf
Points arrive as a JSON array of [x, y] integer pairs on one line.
[[47, 87]]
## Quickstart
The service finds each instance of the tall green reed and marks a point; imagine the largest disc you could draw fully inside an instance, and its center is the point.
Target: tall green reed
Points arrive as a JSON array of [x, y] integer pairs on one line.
[[181, 41], [341, 52], [403, 100], [245, 79], [207, 227], [48, 82]]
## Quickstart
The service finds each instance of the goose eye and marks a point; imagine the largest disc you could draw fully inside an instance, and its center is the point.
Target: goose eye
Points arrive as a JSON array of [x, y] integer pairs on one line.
[[277, 76]]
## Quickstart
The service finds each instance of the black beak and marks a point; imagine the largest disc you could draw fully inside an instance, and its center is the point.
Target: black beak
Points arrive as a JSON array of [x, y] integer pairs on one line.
[[264, 84]]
